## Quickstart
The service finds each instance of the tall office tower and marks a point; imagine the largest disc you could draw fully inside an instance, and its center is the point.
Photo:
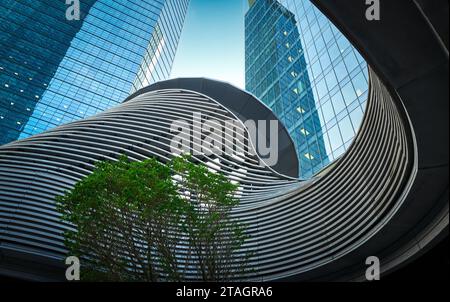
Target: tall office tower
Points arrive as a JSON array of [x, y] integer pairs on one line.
[[54, 70], [306, 71]]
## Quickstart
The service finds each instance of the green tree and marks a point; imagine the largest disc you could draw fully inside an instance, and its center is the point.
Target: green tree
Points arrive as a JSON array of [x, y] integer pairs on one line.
[[132, 218]]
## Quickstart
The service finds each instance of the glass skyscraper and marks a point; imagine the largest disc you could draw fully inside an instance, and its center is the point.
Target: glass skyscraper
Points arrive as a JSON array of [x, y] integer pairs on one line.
[[53, 71], [306, 71]]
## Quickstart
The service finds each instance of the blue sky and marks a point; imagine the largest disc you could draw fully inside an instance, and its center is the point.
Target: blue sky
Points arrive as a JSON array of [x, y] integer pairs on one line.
[[212, 42]]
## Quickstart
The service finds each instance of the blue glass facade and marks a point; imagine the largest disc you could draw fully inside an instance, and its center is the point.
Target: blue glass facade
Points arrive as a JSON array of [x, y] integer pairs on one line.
[[53, 71], [306, 71]]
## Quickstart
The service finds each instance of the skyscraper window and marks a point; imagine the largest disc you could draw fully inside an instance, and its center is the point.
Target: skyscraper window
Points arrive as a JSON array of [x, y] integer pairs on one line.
[[58, 70], [322, 87]]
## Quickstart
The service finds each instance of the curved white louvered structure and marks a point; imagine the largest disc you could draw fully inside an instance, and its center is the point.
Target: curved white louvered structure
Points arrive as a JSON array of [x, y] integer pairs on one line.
[[294, 226]]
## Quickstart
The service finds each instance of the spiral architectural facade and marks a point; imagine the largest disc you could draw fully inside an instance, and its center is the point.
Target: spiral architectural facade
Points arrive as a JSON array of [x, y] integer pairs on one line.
[[293, 226]]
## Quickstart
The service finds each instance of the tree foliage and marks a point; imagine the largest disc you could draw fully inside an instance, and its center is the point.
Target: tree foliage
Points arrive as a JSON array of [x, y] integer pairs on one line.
[[148, 221]]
